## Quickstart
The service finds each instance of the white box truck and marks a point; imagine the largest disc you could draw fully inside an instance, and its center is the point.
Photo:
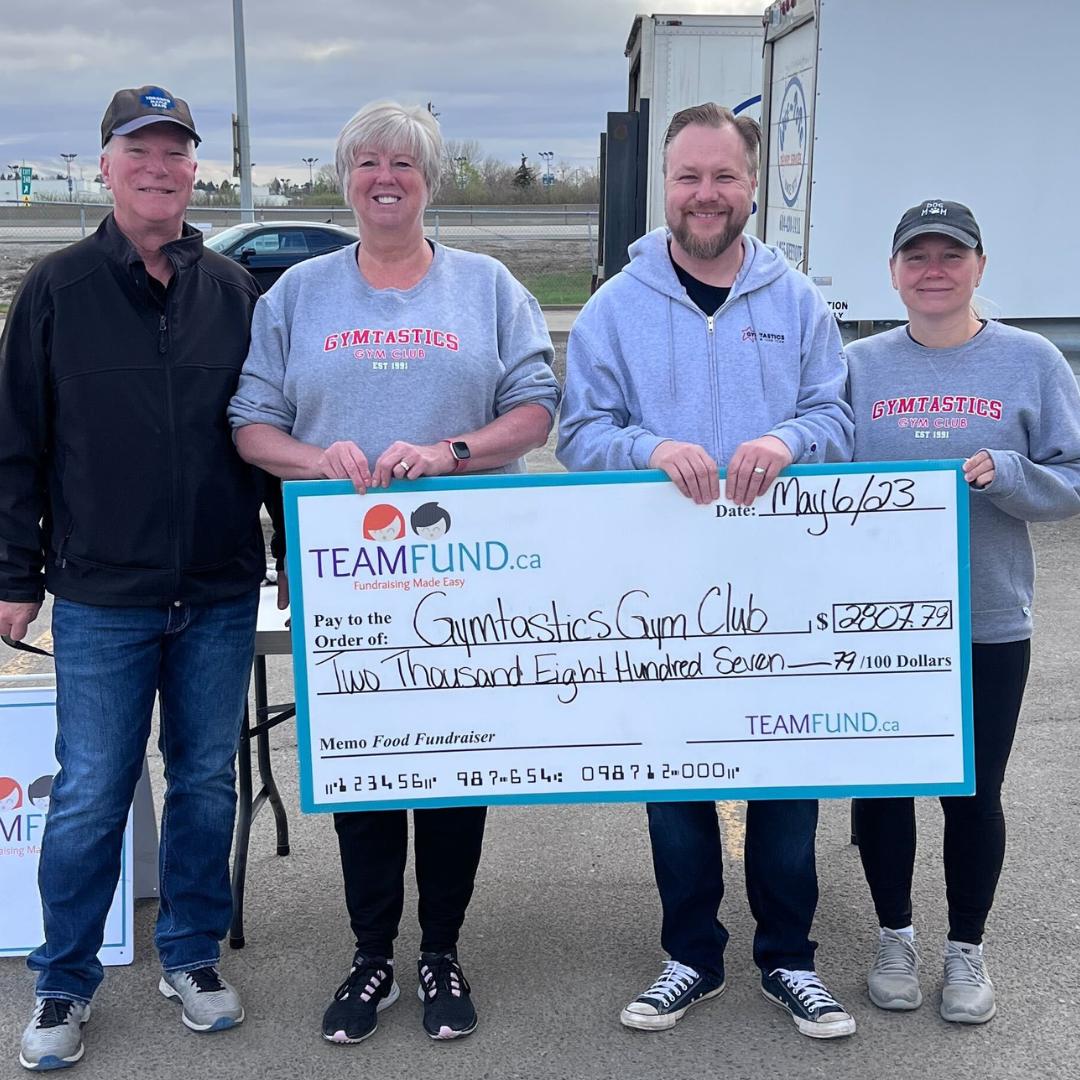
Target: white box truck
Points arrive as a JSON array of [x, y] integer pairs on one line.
[[870, 108], [675, 61], [681, 60]]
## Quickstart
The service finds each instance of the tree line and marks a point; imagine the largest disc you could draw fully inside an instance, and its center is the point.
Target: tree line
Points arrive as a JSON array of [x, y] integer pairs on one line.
[[469, 178]]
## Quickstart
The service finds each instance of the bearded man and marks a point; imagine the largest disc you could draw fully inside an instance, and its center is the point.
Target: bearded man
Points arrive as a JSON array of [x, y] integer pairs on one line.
[[708, 349]]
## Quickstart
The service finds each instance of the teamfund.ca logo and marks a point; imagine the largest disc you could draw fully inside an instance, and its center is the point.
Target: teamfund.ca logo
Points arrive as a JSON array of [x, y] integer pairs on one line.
[[381, 555]]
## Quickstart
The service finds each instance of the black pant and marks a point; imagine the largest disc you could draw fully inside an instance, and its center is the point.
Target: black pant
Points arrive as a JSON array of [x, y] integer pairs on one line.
[[374, 844], [974, 847]]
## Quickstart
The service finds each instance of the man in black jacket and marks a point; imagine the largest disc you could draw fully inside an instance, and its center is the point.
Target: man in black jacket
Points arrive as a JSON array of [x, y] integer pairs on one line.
[[121, 493]]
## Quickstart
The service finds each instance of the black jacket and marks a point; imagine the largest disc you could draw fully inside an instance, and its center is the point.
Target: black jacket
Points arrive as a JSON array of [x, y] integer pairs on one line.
[[117, 468]]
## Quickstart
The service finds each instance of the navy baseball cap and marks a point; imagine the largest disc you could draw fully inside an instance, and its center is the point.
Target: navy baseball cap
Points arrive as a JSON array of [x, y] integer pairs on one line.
[[130, 110], [937, 217]]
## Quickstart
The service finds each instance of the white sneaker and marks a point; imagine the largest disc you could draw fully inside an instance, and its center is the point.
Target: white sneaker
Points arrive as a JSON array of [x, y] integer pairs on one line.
[[968, 994], [893, 981]]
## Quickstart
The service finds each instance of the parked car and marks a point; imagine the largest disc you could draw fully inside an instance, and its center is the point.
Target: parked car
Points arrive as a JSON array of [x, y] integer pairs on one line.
[[266, 249]]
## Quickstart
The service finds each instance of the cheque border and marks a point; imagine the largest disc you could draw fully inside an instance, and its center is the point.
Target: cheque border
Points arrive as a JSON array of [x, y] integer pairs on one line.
[[295, 490]]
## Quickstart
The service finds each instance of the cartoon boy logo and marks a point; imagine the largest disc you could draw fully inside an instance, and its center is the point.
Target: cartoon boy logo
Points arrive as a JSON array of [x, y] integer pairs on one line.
[[384, 522], [430, 521], [11, 794], [40, 792]]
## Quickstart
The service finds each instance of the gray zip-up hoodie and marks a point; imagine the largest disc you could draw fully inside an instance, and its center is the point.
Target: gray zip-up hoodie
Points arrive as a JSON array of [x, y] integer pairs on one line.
[[1006, 391], [644, 364]]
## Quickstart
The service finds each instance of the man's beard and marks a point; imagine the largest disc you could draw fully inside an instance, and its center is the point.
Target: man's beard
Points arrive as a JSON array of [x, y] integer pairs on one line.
[[709, 247]]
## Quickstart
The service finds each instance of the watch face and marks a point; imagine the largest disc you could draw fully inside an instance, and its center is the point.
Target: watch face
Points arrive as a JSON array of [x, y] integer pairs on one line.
[[460, 450]]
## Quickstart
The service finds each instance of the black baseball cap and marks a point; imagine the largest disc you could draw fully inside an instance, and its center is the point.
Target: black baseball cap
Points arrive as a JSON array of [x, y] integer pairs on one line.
[[130, 110], [938, 217]]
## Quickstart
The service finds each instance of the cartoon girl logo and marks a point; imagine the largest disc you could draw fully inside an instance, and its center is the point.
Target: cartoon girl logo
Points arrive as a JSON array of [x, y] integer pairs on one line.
[[40, 792], [384, 522], [430, 521], [11, 795]]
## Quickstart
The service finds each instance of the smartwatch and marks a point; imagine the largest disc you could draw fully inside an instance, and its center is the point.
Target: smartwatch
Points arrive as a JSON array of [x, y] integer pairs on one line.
[[461, 453]]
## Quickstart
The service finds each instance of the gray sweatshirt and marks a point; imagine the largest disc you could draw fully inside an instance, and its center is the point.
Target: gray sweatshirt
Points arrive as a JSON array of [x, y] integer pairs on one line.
[[644, 364], [1007, 391], [333, 358]]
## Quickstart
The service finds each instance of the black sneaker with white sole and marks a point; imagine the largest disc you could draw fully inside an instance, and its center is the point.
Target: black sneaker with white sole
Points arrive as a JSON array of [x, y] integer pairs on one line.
[[815, 1011], [665, 1002], [369, 988], [445, 992]]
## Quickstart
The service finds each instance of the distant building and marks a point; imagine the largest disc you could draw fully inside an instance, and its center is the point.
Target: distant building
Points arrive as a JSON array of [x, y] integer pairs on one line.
[[88, 191]]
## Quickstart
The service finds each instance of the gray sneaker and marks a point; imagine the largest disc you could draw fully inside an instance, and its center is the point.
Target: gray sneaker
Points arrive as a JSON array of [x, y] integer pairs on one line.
[[53, 1038], [893, 981], [968, 994], [210, 1003]]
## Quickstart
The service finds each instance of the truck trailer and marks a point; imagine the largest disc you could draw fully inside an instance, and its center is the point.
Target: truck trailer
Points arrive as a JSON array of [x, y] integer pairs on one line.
[[872, 108], [674, 61]]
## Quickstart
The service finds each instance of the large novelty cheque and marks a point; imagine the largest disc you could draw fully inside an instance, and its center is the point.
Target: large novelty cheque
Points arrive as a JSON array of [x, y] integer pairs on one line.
[[600, 637]]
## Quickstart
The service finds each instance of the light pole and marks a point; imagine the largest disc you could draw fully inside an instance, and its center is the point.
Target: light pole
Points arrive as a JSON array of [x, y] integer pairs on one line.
[[310, 163], [68, 159], [243, 128], [461, 162], [548, 156]]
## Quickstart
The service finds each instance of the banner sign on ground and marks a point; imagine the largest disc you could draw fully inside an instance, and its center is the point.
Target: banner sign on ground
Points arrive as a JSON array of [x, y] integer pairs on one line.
[[582, 637], [27, 768]]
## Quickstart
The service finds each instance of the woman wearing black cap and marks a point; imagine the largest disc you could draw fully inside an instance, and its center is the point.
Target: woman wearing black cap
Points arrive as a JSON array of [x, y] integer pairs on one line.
[[952, 385]]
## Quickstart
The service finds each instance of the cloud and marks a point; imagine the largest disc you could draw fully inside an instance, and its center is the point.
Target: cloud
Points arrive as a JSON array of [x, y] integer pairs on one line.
[[328, 51], [518, 76]]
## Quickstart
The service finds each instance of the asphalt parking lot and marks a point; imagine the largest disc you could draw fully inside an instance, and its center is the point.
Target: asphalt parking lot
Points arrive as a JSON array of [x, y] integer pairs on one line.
[[563, 930]]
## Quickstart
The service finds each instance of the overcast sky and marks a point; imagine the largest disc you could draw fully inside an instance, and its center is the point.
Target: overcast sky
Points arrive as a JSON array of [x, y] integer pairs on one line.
[[516, 75]]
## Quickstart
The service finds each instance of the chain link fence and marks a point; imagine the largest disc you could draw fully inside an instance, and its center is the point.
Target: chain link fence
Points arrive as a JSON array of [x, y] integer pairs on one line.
[[552, 249]]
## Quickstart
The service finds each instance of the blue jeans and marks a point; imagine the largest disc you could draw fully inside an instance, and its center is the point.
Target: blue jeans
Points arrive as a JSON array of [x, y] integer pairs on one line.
[[110, 663], [781, 881]]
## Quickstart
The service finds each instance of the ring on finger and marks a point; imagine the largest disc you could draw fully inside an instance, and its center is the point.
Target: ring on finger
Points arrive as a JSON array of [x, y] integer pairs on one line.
[[759, 470], [404, 466]]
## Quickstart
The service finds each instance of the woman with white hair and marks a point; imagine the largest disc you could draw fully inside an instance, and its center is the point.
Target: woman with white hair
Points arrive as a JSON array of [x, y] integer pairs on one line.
[[397, 358]]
